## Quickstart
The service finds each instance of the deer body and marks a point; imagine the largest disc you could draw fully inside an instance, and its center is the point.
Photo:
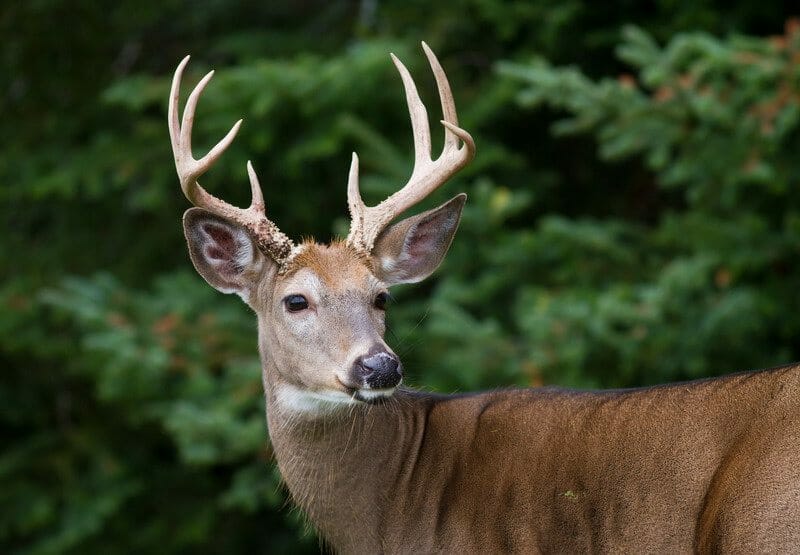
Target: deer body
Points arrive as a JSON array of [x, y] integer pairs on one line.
[[709, 466], [650, 470]]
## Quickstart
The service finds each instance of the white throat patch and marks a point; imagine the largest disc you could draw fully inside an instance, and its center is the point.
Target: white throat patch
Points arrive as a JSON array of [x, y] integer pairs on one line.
[[294, 399], [311, 402]]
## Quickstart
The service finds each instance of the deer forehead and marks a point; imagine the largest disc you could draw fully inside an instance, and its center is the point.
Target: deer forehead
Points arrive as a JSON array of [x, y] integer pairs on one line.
[[334, 268]]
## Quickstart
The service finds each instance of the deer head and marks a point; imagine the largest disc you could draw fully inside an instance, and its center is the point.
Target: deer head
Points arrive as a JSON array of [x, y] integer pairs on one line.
[[321, 307]]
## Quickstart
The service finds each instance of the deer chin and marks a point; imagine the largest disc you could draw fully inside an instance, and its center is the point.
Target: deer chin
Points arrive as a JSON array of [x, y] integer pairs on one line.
[[374, 396]]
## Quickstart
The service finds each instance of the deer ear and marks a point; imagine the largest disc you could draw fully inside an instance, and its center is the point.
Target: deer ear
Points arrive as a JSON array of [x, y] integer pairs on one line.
[[410, 250], [223, 253]]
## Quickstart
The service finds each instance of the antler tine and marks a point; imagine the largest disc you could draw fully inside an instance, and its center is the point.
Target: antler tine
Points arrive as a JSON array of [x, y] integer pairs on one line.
[[354, 201], [269, 238], [419, 115], [257, 202], [427, 175], [445, 97], [174, 103]]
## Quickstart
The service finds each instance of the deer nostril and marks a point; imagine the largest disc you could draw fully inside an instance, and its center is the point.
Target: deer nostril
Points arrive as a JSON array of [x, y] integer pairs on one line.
[[380, 371], [382, 362]]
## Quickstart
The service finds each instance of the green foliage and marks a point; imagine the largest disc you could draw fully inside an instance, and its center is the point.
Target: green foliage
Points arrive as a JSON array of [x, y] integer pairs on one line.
[[131, 409], [711, 274], [160, 421]]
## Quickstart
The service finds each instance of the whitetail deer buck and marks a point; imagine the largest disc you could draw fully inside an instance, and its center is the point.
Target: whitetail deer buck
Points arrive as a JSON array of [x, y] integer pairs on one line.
[[708, 466]]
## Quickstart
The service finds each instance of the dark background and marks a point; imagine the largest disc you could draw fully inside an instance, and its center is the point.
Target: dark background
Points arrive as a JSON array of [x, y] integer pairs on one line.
[[634, 218]]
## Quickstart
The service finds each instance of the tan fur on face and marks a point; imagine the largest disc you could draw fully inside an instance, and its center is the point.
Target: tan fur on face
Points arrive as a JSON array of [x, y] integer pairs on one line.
[[337, 265]]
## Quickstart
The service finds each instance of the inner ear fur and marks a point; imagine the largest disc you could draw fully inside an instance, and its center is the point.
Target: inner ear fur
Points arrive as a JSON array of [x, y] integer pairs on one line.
[[222, 252], [410, 250]]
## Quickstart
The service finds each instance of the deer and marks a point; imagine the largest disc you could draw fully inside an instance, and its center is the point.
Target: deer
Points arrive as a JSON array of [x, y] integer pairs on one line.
[[703, 466]]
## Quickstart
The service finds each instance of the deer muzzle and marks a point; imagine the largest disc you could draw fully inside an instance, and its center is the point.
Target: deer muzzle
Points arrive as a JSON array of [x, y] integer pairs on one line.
[[377, 370]]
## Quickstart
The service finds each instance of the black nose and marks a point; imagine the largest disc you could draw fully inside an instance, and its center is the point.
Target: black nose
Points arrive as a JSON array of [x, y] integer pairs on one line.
[[379, 370]]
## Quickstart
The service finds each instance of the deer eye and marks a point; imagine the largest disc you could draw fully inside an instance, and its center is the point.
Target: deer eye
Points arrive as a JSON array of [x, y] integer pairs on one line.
[[295, 303], [380, 301]]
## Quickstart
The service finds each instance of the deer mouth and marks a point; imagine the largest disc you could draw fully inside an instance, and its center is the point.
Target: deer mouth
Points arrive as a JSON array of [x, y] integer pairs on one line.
[[349, 389], [369, 396]]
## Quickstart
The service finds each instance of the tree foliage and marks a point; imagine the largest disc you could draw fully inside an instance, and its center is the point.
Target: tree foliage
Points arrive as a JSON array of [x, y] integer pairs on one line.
[[634, 218]]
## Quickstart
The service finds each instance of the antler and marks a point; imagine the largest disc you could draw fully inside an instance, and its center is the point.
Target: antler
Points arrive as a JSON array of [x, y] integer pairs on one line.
[[367, 222], [269, 238]]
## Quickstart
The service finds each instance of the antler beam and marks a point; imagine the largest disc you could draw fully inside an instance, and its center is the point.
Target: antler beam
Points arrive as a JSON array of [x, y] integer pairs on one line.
[[428, 175]]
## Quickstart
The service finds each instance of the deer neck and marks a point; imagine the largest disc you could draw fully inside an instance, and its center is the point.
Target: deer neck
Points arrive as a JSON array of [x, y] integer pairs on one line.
[[339, 462]]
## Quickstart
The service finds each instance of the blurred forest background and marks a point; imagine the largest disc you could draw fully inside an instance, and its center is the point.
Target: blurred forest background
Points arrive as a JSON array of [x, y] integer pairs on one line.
[[634, 218]]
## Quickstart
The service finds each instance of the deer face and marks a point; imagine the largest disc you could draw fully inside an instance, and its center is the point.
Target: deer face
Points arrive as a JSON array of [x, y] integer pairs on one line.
[[328, 322], [322, 318], [321, 307]]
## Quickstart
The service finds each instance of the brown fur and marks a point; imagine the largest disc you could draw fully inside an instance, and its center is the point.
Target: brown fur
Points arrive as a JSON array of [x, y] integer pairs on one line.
[[708, 466]]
